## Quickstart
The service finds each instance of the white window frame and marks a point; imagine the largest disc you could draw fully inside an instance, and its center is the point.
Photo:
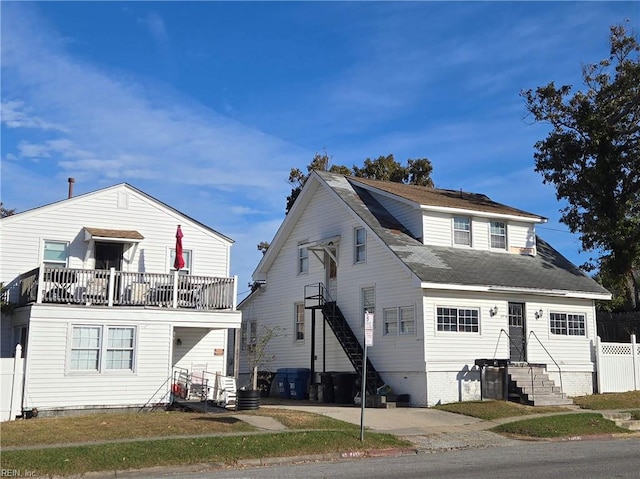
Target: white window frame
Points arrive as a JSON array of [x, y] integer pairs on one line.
[[564, 324], [102, 349], [187, 254], [303, 260], [55, 263], [395, 321], [458, 323], [111, 349], [466, 231], [75, 350], [299, 322], [493, 234], [359, 246], [367, 306]]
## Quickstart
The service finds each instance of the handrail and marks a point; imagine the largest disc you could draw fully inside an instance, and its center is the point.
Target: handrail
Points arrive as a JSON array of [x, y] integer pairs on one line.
[[549, 354], [156, 392], [510, 341]]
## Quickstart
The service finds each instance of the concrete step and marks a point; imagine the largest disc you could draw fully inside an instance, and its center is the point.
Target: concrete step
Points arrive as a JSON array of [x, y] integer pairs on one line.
[[623, 419], [538, 389], [613, 416], [552, 401]]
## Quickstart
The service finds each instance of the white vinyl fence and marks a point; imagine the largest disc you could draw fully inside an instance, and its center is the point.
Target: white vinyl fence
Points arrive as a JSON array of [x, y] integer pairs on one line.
[[11, 380], [618, 366]]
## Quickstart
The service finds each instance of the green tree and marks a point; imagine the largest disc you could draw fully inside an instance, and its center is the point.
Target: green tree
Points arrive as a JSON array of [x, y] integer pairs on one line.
[[4, 212], [592, 157], [385, 168]]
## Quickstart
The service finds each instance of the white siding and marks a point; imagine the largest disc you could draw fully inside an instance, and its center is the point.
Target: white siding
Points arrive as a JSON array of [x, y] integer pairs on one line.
[[22, 237], [437, 228], [50, 385], [409, 216], [452, 354], [325, 217], [521, 235], [480, 233], [197, 349]]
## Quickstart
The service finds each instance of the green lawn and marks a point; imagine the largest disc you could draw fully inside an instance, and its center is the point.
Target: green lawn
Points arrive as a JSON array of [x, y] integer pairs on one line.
[[565, 425], [490, 410]]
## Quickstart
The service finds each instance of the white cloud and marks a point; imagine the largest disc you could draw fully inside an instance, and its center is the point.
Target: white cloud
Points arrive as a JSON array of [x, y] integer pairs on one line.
[[155, 25], [15, 115]]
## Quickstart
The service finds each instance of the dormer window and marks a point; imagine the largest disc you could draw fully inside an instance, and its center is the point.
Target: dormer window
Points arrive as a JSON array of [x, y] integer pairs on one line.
[[498, 235], [462, 231]]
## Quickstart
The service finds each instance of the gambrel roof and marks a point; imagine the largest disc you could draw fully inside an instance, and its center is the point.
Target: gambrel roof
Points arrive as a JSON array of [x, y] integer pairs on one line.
[[458, 268]]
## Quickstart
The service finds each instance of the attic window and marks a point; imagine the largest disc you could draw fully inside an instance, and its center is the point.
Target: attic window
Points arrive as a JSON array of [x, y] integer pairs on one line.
[[498, 235], [360, 245], [462, 231]]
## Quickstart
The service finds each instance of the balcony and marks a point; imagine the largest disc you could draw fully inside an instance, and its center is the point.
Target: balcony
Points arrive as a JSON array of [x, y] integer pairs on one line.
[[113, 288]]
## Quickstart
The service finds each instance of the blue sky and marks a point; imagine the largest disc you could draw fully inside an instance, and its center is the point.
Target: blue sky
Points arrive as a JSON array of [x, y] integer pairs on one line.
[[208, 105]]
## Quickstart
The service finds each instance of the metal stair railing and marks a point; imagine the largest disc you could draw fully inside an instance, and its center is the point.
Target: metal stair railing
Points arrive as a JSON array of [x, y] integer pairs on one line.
[[316, 296], [533, 393], [548, 353]]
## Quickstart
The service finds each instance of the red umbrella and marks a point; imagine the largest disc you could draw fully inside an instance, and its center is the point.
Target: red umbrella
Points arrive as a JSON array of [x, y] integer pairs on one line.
[[179, 261]]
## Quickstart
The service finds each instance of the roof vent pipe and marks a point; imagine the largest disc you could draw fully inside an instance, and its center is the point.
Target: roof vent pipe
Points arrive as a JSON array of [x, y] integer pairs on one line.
[[71, 182]]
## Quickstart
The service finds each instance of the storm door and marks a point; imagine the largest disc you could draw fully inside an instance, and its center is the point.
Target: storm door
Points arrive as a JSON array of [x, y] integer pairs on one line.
[[517, 337]]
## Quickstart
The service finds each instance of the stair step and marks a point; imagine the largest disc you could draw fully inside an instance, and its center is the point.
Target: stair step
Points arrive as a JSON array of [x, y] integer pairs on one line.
[[552, 401], [612, 416], [632, 425]]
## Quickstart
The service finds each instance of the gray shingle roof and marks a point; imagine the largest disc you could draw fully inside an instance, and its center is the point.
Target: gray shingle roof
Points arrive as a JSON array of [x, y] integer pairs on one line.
[[546, 271]]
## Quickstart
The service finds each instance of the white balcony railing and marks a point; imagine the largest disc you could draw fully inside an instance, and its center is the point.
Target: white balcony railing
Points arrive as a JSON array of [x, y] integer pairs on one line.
[[120, 288]]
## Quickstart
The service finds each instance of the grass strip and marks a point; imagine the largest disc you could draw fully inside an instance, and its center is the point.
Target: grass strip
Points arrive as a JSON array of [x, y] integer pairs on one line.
[[490, 410], [294, 419], [166, 452], [628, 400], [563, 425], [110, 426]]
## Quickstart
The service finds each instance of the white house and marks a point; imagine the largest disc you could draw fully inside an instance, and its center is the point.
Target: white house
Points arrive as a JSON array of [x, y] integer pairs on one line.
[[103, 318], [456, 282]]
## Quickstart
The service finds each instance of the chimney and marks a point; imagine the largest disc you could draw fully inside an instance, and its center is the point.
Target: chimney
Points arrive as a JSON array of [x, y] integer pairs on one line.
[[71, 182]]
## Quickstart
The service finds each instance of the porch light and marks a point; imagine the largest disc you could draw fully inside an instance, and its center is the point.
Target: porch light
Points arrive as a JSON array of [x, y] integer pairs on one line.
[[493, 311], [538, 314]]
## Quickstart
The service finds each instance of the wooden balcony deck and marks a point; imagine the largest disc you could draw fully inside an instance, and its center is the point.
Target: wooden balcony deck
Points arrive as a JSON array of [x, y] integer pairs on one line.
[[119, 288]]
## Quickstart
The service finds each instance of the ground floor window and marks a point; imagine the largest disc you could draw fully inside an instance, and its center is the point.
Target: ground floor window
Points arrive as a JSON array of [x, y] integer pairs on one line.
[[400, 320], [461, 320], [89, 351], [567, 324]]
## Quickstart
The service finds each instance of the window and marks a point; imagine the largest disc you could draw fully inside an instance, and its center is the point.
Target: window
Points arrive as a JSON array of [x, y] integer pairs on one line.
[[303, 260], [120, 342], [243, 336], [360, 245], [407, 320], [462, 231], [401, 320], [299, 322], [186, 254], [368, 297], [567, 324], [390, 319], [55, 254], [85, 348], [461, 320], [90, 353], [253, 332], [498, 235]]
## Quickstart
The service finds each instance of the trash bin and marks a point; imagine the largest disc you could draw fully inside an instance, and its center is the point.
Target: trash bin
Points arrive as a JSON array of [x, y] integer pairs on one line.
[[344, 387], [327, 387], [298, 379], [282, 382]]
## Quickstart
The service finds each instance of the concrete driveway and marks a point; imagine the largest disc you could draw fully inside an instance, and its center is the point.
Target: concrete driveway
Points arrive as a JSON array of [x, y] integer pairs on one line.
[[398, 421]]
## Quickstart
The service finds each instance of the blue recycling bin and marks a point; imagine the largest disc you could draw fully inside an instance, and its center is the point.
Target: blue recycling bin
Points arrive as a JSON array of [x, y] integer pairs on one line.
[[298, 382], [282, 381]]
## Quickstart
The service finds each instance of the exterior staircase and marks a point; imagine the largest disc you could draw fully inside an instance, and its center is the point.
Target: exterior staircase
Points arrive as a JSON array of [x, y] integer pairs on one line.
[[350, 344], [530, 384], [623, 420]]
